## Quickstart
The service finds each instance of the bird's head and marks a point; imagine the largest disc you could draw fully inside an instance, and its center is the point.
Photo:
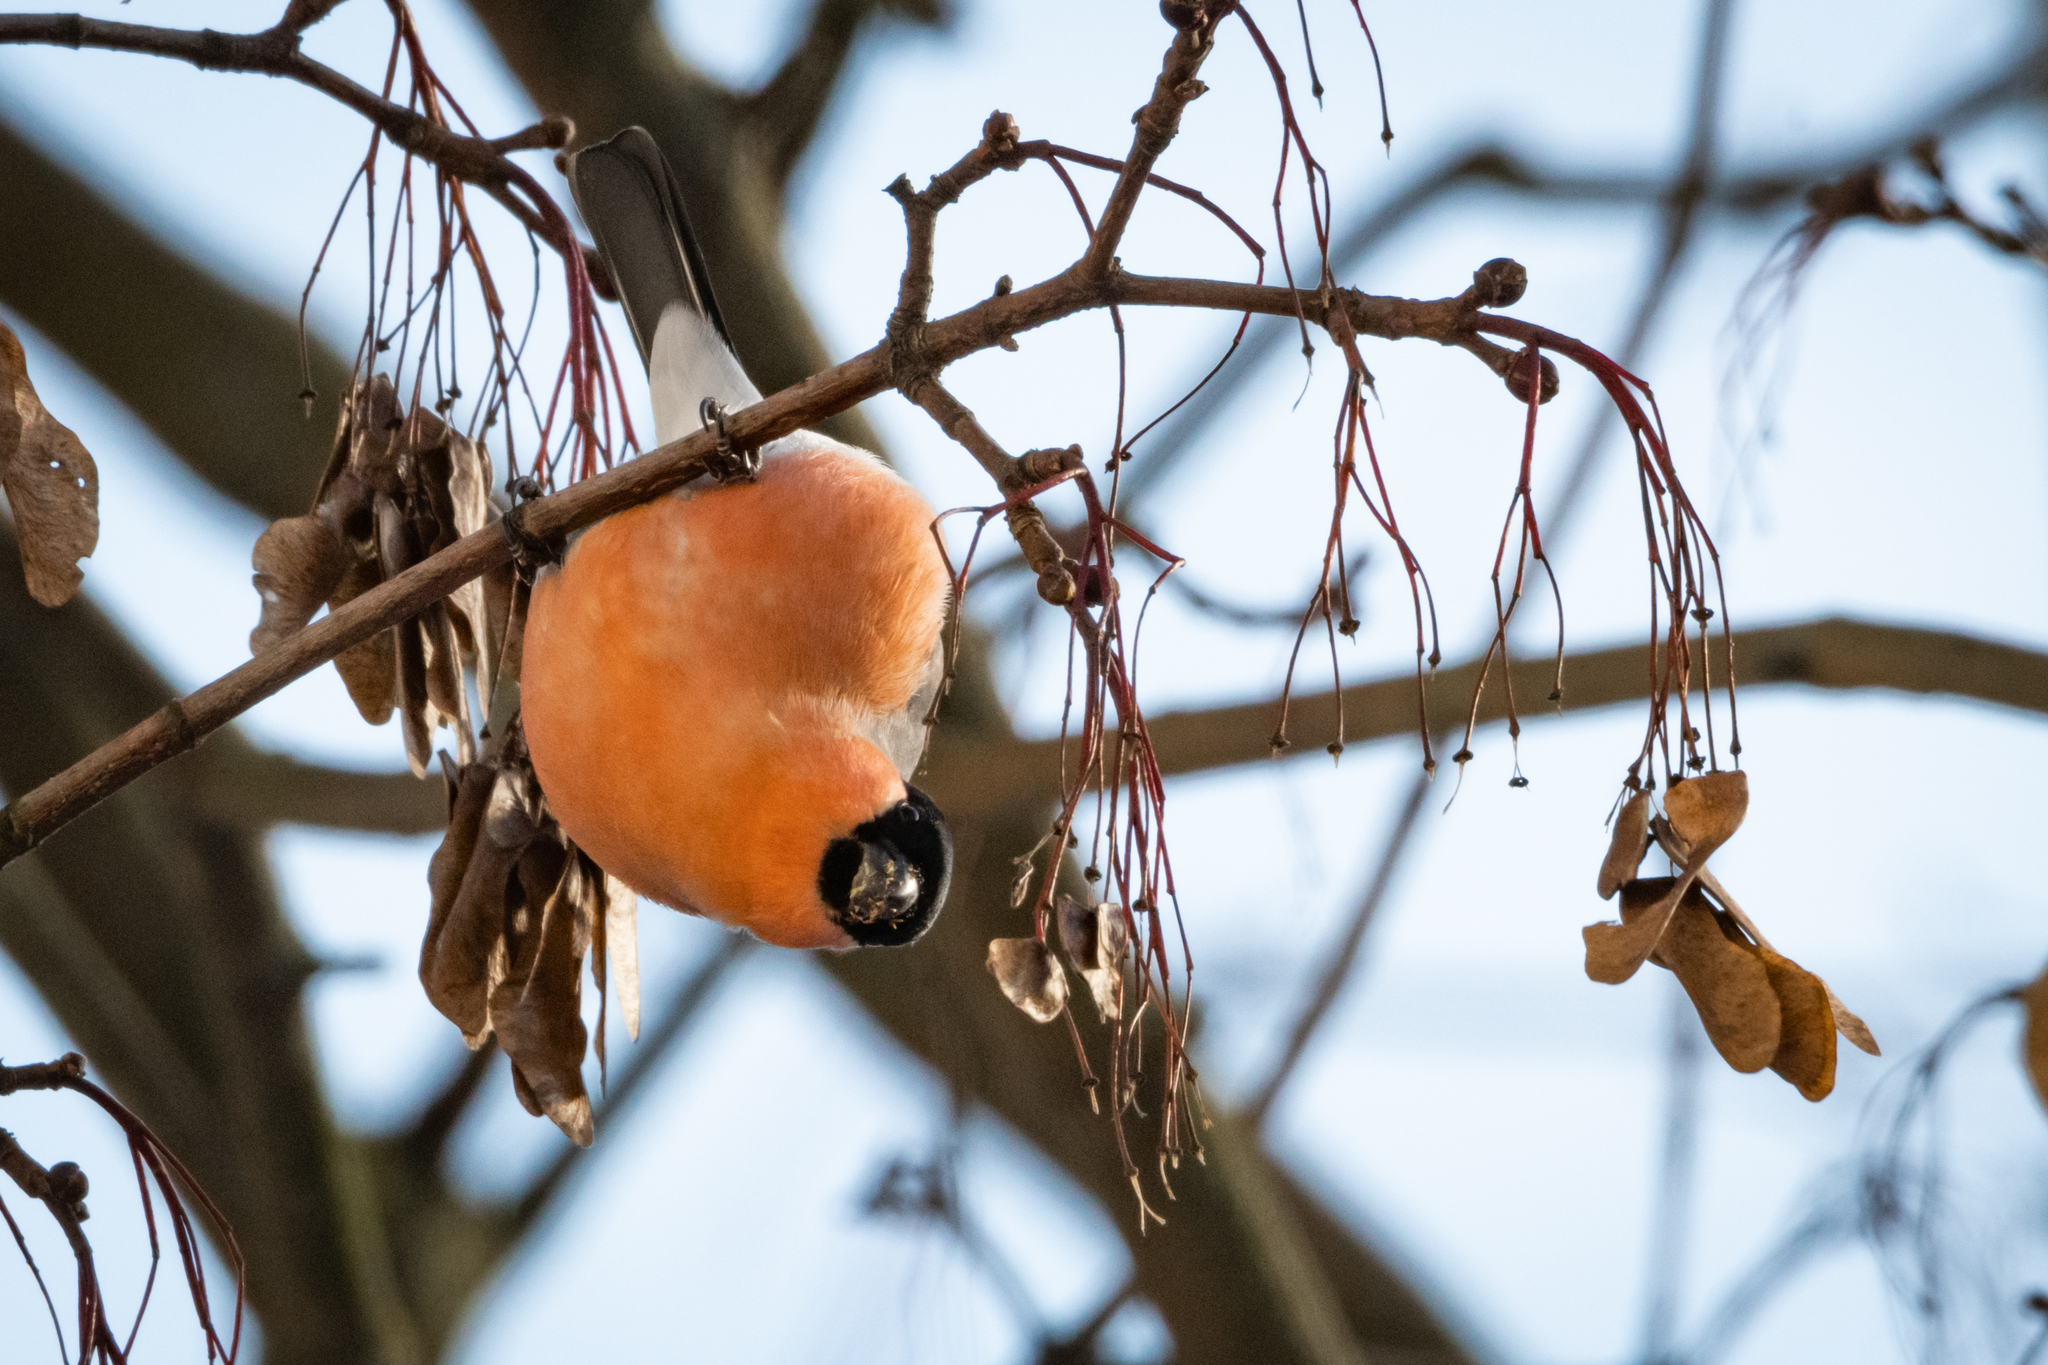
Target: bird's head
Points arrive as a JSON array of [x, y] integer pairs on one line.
[[884, 882]]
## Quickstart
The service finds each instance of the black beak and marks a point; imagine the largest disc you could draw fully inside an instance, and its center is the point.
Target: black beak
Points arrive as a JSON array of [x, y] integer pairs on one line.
[[885, 883]]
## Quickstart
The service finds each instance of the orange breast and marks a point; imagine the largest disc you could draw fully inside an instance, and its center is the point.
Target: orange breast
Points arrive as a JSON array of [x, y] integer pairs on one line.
[[696, 671]]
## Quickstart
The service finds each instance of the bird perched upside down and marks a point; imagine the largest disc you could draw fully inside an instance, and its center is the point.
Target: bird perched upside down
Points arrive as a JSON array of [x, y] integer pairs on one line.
[[724, 690]]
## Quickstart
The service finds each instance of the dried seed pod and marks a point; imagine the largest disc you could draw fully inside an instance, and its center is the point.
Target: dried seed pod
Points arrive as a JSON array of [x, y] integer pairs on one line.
[[1615, 952], [368, 669], [537, 1009], [1095, 939], [52, 485], [299, 563], [1626, 849], [1806, 1041], [1030, 976], [472, 877], [622, 947], [397, 489], [1730, 985], [1705, 811]]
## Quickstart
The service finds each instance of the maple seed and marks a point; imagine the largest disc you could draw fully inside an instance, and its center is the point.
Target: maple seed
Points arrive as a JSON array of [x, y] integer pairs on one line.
[[1030, 976], [1729, 982], [1705, 811], [1626, 849], [515, 910], [1806, 1043]]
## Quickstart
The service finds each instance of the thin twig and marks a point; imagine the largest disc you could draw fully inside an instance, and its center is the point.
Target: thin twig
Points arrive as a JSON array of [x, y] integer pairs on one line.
[[1688, 192]]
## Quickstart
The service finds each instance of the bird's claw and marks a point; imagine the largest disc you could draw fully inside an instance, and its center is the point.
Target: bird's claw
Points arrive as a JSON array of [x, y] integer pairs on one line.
[[728, 464]]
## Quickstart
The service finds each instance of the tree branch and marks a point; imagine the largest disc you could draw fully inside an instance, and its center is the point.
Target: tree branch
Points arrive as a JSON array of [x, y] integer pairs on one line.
[[1172, 91], [651, 1050], [253, 789]]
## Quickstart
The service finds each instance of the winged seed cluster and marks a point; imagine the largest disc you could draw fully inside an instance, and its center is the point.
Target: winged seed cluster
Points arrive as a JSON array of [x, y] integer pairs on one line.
[[1759, 1007], [517, 907], [398, 488]]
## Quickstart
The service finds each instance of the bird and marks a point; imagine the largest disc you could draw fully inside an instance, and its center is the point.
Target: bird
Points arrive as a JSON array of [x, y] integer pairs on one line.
[[725, 690]]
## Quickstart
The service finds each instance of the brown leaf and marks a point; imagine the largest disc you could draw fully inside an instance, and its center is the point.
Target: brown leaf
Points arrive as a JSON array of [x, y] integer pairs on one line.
[[2034, 1046], [1626, 849], [1806, 1038], [299, 563], [537, 1009], [52, 485], [472, 878], [1725, 975], [1705, 811], [1030, 976]]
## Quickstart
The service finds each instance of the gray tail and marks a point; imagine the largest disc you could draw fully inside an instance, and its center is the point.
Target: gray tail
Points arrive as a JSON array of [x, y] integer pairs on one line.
[[629, 198]]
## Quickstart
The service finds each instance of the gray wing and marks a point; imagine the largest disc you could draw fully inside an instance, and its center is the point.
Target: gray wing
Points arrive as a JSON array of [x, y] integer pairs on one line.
[[902, 734], [634, 209]]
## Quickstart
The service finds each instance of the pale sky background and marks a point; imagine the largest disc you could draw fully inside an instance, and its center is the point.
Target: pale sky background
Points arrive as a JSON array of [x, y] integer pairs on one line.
[[1493, 1118]]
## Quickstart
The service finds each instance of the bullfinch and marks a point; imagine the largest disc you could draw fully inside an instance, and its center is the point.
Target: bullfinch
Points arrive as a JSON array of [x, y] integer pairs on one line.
[[725, 690]]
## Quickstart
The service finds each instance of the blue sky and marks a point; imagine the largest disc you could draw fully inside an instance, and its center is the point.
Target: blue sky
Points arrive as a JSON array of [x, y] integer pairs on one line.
[[1492, 1117]]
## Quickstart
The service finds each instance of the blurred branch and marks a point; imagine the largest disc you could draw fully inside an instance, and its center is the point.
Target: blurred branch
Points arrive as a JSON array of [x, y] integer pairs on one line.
[[1833, 653], [782, 117], [157, 941], [427, 1137], [1337, 966], [252, 789], [653, 1049], [1682, 203], [1671, 1221], [483, 162], [213, 373]]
